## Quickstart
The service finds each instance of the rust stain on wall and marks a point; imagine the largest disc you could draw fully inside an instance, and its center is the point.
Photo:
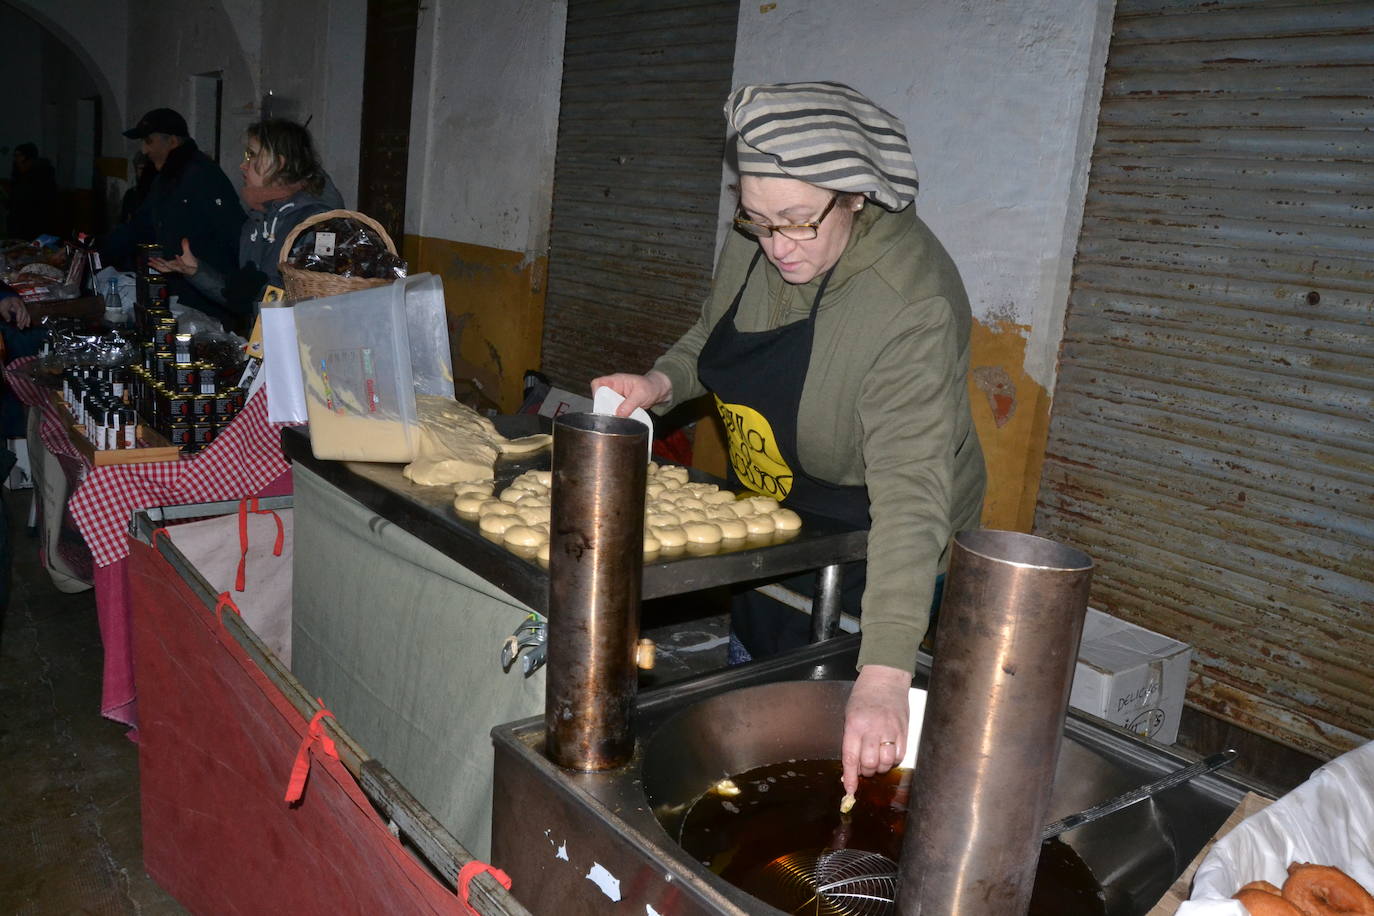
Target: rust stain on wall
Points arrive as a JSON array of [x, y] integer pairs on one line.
[[495, 304], [1012, 414]]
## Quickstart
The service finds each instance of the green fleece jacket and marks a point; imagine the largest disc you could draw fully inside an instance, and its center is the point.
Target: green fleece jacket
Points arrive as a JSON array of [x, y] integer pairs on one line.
[[885, 402]]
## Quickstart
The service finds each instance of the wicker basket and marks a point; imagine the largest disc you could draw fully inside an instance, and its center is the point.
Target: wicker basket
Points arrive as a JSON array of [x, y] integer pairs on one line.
[[312, 284]]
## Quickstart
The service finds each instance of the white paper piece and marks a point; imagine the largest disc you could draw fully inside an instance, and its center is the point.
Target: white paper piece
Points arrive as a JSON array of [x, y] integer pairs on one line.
[[1328, 820], [605, 401], [916, 717], [281, 366]]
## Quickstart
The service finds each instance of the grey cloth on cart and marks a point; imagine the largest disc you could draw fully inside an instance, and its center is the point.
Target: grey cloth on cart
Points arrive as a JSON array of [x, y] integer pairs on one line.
[[403, 644], [212, 547]]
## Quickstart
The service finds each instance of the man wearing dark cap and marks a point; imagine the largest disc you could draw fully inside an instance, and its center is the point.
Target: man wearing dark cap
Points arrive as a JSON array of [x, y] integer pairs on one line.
[[191, 198]]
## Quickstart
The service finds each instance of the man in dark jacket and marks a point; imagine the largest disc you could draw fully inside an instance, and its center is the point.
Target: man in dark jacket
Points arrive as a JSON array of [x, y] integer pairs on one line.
[[191, 198], [33, 195]]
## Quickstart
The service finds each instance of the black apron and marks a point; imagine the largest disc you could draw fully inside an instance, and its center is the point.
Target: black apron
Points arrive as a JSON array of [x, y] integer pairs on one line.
[[757, 379]]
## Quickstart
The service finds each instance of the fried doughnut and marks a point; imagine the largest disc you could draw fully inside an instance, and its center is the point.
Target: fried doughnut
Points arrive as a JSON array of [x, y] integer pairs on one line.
[[1324, 890], [1263, 903], [1261, 886]]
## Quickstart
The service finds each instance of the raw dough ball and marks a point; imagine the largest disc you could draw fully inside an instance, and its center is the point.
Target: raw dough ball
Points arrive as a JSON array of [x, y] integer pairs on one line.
[[497, 524], [702, 533], [760, 524], [543, 553], [496, 507], [523, 536], [660, 520], [691, 515], [732, 529], [473, 488], [786, 520], [690, 502], [673, 472], [533, 515], [513, 494], [469, 505], [670, 536], [651, 543], [718, 498], [652, 489]]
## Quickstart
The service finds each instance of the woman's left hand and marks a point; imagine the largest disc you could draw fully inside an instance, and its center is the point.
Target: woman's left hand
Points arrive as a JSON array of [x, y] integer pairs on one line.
[[185, 263], [875, 723]]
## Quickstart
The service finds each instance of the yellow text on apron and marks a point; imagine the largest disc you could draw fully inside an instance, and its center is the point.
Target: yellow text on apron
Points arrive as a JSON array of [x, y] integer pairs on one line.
[[754, 450]]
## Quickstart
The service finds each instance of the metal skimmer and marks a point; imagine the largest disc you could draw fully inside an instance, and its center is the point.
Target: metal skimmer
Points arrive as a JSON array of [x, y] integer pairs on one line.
[[836, 882]]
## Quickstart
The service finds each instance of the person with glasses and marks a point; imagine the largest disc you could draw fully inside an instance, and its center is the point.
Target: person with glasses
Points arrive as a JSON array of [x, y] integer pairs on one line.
[[191, 198], [835, 344], [283, 184]]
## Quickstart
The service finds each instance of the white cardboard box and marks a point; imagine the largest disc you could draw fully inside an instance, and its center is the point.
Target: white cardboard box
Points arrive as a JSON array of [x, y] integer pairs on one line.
[[558, 402], [1131, 676]]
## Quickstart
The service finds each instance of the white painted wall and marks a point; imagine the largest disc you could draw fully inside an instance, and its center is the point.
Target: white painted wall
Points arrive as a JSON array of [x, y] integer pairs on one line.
[[167, 48], [1000, 101], [95, 31], [21, 67], [484, 121]]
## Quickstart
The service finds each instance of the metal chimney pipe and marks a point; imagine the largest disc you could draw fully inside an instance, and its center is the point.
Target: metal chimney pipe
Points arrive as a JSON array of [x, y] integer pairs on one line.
[[596, 564], [1010, 624]]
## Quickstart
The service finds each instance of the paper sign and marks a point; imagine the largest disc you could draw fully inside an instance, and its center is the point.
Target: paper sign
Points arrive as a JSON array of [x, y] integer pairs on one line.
[[282, 366]]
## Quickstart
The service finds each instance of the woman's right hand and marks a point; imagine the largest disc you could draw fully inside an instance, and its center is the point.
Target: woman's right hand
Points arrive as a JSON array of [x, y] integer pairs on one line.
[[637, 390], [184, 263], [12, 308]]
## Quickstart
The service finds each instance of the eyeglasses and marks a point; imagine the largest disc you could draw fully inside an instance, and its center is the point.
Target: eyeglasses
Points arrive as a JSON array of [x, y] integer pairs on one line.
[[798, 232], [250, 154]]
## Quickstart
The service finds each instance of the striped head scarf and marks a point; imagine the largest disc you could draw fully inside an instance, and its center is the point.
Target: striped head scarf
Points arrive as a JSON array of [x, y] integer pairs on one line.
[[826, 134]]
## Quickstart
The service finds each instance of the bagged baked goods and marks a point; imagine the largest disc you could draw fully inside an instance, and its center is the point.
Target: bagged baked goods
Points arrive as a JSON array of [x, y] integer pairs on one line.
[[346, 247]]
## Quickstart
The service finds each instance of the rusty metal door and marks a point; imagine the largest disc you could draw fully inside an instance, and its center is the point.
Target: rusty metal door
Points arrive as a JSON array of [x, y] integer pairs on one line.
[[1211, 442], [641, 134]]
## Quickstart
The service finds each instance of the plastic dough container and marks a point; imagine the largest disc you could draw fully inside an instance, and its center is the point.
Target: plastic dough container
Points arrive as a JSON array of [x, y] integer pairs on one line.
[[364, 356]]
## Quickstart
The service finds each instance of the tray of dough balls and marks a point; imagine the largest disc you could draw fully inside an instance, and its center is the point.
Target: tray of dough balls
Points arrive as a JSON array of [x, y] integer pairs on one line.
[[682, 516], [677, 561]]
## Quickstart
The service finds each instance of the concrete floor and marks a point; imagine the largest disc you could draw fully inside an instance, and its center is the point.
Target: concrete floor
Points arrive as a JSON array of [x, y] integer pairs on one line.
[[69, 825], [70, 835]]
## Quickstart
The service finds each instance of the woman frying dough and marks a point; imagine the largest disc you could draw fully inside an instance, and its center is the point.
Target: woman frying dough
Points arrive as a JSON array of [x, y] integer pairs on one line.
[[835, 342]]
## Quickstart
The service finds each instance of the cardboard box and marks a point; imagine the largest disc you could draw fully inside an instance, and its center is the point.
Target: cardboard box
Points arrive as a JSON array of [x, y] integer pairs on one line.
[[558, 402], [1131, 677]]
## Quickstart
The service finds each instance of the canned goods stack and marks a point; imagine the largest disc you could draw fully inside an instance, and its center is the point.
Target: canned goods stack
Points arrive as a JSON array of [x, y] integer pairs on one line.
[[170, 387]]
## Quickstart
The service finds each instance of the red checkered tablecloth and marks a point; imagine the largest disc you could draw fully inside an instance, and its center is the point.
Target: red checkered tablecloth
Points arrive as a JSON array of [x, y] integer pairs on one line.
[[243, 459]]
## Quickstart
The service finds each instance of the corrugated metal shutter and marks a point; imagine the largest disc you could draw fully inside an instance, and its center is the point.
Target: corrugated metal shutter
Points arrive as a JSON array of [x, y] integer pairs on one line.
[[1211, 442], [636, 181]]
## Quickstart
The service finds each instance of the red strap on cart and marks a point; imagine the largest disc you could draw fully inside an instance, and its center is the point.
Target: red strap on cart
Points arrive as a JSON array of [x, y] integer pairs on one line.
[[225, 601], [472, 870], [246, 506], [156, 531], [295, 787]]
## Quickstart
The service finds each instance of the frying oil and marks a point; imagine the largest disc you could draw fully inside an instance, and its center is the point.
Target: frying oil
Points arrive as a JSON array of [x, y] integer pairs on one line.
[[791, 810]]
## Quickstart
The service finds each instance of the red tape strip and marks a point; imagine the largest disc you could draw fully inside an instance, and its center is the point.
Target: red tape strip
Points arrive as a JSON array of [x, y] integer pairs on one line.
[[472, 870], [314, 734], [247, 505], [225, 601]]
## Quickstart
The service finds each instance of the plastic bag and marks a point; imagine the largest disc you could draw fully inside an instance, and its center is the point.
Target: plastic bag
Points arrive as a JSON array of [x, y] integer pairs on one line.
[[1328, 820], [346, 247]]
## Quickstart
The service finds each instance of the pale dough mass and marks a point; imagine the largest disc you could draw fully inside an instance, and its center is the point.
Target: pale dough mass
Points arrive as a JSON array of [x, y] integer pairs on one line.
[[458, 444]]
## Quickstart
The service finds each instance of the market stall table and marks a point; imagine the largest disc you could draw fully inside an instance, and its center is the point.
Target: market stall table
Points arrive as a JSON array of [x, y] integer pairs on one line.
[[244, 460], [400, 609]]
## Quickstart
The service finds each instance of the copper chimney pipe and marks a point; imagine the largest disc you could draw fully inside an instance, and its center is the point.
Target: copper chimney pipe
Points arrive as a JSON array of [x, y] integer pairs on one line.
[[596, 562], [1010, 624]]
